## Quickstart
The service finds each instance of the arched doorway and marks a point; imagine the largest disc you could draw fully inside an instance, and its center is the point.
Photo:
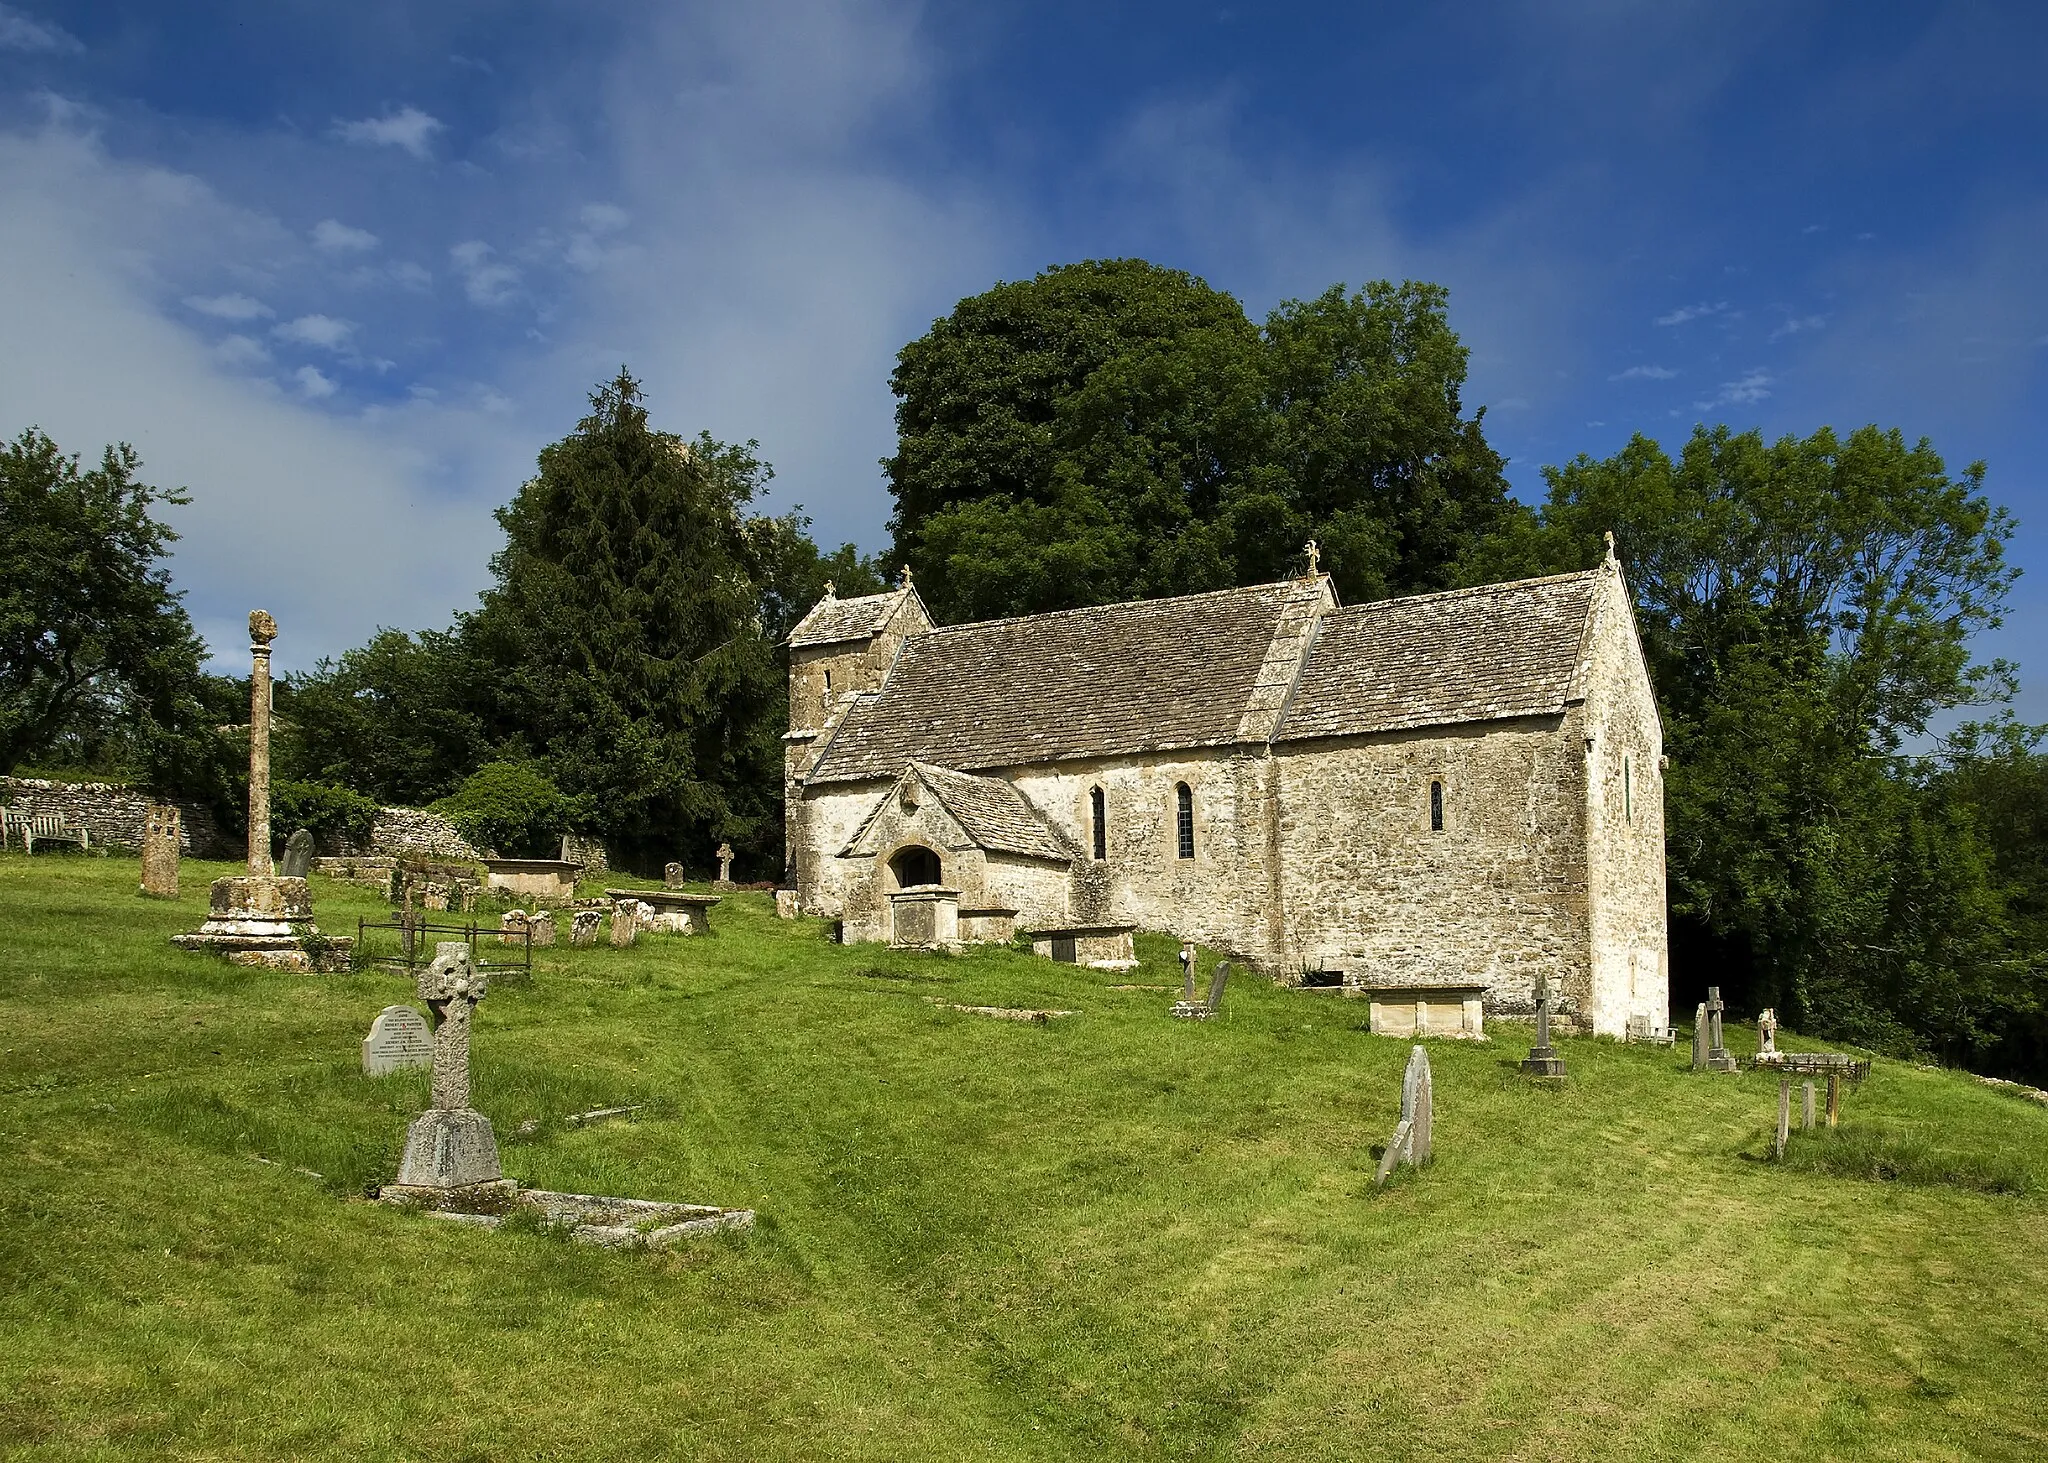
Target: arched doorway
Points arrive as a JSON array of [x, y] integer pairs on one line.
[[913, 866]]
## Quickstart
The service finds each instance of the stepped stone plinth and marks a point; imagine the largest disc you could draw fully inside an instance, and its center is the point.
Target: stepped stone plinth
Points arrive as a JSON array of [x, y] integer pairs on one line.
[[268, 922]]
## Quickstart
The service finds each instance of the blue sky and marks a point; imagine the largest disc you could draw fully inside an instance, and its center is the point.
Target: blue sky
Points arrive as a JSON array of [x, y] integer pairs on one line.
[[342, 270]]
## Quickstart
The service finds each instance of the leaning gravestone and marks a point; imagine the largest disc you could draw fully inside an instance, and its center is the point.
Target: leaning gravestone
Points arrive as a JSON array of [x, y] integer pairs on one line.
[[625, 922], [1699, 1038], [1414, 1135], [298, 856], [398, 1038]]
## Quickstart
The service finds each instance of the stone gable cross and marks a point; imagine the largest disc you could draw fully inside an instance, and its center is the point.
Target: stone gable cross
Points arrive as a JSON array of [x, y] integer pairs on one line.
[[1315, 557]]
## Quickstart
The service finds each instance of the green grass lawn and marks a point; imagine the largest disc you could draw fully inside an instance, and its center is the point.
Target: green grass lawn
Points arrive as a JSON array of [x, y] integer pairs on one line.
[[1113, 1236]]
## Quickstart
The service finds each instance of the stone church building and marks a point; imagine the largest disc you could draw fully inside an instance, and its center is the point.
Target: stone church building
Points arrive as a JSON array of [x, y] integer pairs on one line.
[[1457, 789]]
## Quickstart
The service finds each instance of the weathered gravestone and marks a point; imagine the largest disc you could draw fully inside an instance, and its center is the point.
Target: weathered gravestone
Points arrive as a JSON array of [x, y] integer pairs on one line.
[[450, 1151], [1767, 1033], [583, 928], [1187, 970], [1543, 1060], [1699, 1038], [433, 895], [724, 879], [1190, 1009], [298, 856], [540, 928], [1414, 1135], [1718, 1059], [625, 922], [160, 836], [398, 1038], [672, 875], [512, 927]]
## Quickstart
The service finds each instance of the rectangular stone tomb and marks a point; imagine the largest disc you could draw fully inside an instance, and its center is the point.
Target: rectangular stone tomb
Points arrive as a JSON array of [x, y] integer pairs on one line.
[[611, 1223], [537, 880], [925, 917], [673, 912], [1412, 1009], [1099, 947]]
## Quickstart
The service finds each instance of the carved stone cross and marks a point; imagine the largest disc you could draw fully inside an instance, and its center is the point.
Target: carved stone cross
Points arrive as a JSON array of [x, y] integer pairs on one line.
[[451, 986], [725, 863], [1543, 1060], [1315, 556]]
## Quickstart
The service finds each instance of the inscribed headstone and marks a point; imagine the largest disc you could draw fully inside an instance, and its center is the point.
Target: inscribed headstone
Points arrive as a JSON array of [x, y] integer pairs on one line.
[[398, 1038], [298, 856]]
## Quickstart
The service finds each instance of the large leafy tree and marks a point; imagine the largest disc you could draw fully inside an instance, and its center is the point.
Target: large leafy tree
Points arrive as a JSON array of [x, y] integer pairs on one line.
[[94, 643], [402, 719], [1112, 429], [1807, 607]]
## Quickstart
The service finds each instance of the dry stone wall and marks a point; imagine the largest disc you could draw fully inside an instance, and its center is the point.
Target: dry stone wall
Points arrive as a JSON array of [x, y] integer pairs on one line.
[[418, 832], [116, 814]]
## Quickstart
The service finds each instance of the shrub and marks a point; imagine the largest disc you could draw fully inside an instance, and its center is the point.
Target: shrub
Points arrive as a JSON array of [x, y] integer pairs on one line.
[[333, 815], [510, 807]]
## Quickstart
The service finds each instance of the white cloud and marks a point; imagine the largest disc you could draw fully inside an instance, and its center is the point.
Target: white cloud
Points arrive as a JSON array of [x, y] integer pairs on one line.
[[19, 32], [408, 127], [1746, 390], [485, 282], [229, 307], [1644, 373], [323, 331], [313, 383], [241, 352], [604, 218], [1798, 325], [1686, 313], [334, 237]]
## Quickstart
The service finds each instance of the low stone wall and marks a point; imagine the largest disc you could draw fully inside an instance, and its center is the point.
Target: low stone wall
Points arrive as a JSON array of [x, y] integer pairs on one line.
[[589, 851], [115, 814], [417, 831]]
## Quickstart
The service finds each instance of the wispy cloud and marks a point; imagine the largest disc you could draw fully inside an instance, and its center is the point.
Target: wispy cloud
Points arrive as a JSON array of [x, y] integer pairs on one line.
[[1690, 312], [1644, 373], [485, 281], [229, 307], [334, 237], [1799, 324], [1747, 390], [241, 352], [19, 32], [408, 127], [313, 383], [323, 331]]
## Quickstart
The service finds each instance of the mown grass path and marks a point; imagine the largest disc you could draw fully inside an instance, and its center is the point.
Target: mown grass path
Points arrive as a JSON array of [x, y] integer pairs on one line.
[[1115, 1235]]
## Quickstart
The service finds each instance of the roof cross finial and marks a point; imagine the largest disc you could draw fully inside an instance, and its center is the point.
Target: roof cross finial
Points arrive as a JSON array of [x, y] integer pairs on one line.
[[903, 577], [1609, 536], [1315, 557], [831, 591]]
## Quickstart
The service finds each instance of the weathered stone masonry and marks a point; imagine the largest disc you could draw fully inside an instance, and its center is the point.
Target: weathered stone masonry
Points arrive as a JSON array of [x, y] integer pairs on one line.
[[116, 814], [1454, 787]]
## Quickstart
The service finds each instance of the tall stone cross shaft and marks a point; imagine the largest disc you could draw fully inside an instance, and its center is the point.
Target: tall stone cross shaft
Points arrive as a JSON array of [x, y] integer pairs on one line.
[[262, 630]]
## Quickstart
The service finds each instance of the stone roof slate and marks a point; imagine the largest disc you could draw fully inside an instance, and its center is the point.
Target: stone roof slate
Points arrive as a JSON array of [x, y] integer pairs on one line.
[[993, 813], [1108, 680], [1152, 675], [1501, 650], [834, 620]]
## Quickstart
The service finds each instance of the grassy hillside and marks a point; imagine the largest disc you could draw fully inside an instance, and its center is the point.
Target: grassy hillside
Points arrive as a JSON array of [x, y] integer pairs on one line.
[[1116, 1235]]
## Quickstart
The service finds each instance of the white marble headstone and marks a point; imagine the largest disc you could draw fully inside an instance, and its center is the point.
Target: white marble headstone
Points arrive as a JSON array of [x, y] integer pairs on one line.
[[398, 1038]]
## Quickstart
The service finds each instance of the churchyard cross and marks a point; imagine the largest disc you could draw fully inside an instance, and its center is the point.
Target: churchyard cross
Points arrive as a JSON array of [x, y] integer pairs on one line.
[[725, 865], [1718, 1059], [1187, 970], [450, 1146], [262, 630], [1543, 1060]]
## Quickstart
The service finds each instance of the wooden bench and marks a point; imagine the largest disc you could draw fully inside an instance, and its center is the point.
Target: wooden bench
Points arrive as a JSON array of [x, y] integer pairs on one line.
[[33, 828]]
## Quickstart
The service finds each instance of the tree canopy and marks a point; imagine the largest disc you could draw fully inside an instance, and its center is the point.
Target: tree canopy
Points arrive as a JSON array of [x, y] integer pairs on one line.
[[1113, 430], [93, 639]]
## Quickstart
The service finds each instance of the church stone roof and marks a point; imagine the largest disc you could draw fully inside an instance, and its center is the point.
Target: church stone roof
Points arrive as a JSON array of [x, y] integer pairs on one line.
[[1481, 654], [1153, 675], [1108, 680], [833, 620], [993, 813]]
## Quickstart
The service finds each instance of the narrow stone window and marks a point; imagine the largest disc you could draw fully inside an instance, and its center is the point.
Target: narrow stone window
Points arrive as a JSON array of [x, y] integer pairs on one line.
[[1185, 796], [1436, 807], [1628, 793], [1101, 822], [828, 680]]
